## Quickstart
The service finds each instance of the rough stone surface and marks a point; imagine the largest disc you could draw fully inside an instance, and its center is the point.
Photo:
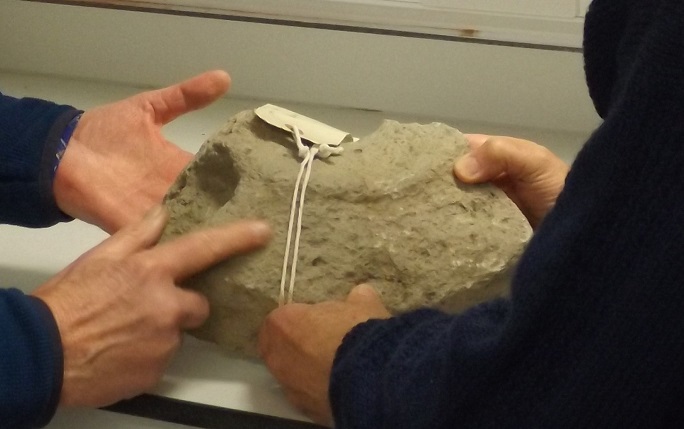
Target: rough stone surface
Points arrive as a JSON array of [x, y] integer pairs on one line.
[[388, 211]]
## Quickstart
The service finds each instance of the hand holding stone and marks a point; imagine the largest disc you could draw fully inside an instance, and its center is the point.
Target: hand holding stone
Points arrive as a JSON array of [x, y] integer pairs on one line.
[[298, 342], [528, 173], [119, 311], [118, 164]]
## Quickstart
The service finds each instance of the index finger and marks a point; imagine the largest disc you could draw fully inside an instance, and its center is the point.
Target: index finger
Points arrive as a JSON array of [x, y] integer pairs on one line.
[[196, 251]]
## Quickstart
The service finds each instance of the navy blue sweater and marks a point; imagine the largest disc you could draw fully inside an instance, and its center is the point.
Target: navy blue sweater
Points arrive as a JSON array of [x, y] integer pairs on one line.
[[593, 333], [31, 363]]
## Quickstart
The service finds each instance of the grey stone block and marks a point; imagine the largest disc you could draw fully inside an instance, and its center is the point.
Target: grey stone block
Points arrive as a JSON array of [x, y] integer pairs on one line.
[[388, 211]]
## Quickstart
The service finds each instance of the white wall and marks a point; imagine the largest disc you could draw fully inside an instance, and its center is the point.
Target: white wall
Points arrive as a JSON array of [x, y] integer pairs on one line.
[[438, 78]]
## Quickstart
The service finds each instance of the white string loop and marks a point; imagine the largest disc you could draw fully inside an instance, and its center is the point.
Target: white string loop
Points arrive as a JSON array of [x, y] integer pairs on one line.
[[308, 154]]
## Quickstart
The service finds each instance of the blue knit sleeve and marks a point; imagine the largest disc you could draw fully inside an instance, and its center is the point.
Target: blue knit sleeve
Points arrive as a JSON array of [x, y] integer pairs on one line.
[[409, 371], [30, 131], [31, 362]]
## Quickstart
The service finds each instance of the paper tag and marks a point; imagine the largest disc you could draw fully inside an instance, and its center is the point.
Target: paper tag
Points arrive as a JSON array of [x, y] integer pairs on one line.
[[310, 129]]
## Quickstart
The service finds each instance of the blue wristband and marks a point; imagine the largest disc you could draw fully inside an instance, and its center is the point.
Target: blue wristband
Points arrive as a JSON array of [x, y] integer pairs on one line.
[[64, 140]]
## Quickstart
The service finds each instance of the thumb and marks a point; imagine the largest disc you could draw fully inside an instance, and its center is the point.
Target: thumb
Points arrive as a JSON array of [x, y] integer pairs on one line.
[[192, 94], [363, 294], [469, 168], [368, 301], [489, 158]]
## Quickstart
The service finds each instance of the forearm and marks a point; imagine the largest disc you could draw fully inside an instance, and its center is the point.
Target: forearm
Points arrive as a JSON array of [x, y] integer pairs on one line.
[[30, 132], [31, 365]]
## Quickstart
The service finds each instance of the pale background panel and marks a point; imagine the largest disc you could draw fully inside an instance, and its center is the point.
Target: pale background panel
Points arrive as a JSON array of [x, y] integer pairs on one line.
[[441, 79]]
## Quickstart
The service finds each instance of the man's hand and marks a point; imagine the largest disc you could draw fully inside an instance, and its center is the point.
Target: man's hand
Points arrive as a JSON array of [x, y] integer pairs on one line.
[[120, 312], [298, 343], [118, 164], [528, 173]]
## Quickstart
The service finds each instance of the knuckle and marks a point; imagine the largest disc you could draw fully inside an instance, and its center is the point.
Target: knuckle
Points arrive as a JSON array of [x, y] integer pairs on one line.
[[281, 319], [174, 344], [496, 146], [172, 315], [266, 324], [201, 308], [165, 313], [139, 268], [296, 400], [152, 375], [278, 368], [262, 346], [544, 154], [265, 338], [121, 273], [151, 378]]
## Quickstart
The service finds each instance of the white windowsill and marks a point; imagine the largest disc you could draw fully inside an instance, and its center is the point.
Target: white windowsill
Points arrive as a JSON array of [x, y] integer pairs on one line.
[[533, 28]]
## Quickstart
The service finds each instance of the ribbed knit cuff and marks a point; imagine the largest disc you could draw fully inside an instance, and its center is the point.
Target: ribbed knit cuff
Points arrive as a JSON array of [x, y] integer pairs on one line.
[[53, 150], [53, 345], [64, 141], [360, 366], [31, 361]]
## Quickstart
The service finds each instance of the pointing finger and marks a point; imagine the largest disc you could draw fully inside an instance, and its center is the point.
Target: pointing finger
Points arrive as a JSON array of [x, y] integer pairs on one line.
[[196, 251]]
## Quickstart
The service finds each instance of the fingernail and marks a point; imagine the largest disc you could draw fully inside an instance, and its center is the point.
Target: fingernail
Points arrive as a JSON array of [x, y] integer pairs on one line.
[[261, 229], [365, 289], [468, 166]]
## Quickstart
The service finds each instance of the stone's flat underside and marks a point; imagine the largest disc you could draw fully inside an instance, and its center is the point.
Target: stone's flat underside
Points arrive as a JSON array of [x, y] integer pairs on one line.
[[388, 211]]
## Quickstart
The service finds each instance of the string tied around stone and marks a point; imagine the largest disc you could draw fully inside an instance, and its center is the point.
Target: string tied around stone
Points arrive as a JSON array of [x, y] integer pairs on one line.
[[308, 154]]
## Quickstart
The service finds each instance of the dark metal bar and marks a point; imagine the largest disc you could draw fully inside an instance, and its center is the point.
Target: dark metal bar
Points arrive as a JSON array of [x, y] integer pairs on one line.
[[201, 415]]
